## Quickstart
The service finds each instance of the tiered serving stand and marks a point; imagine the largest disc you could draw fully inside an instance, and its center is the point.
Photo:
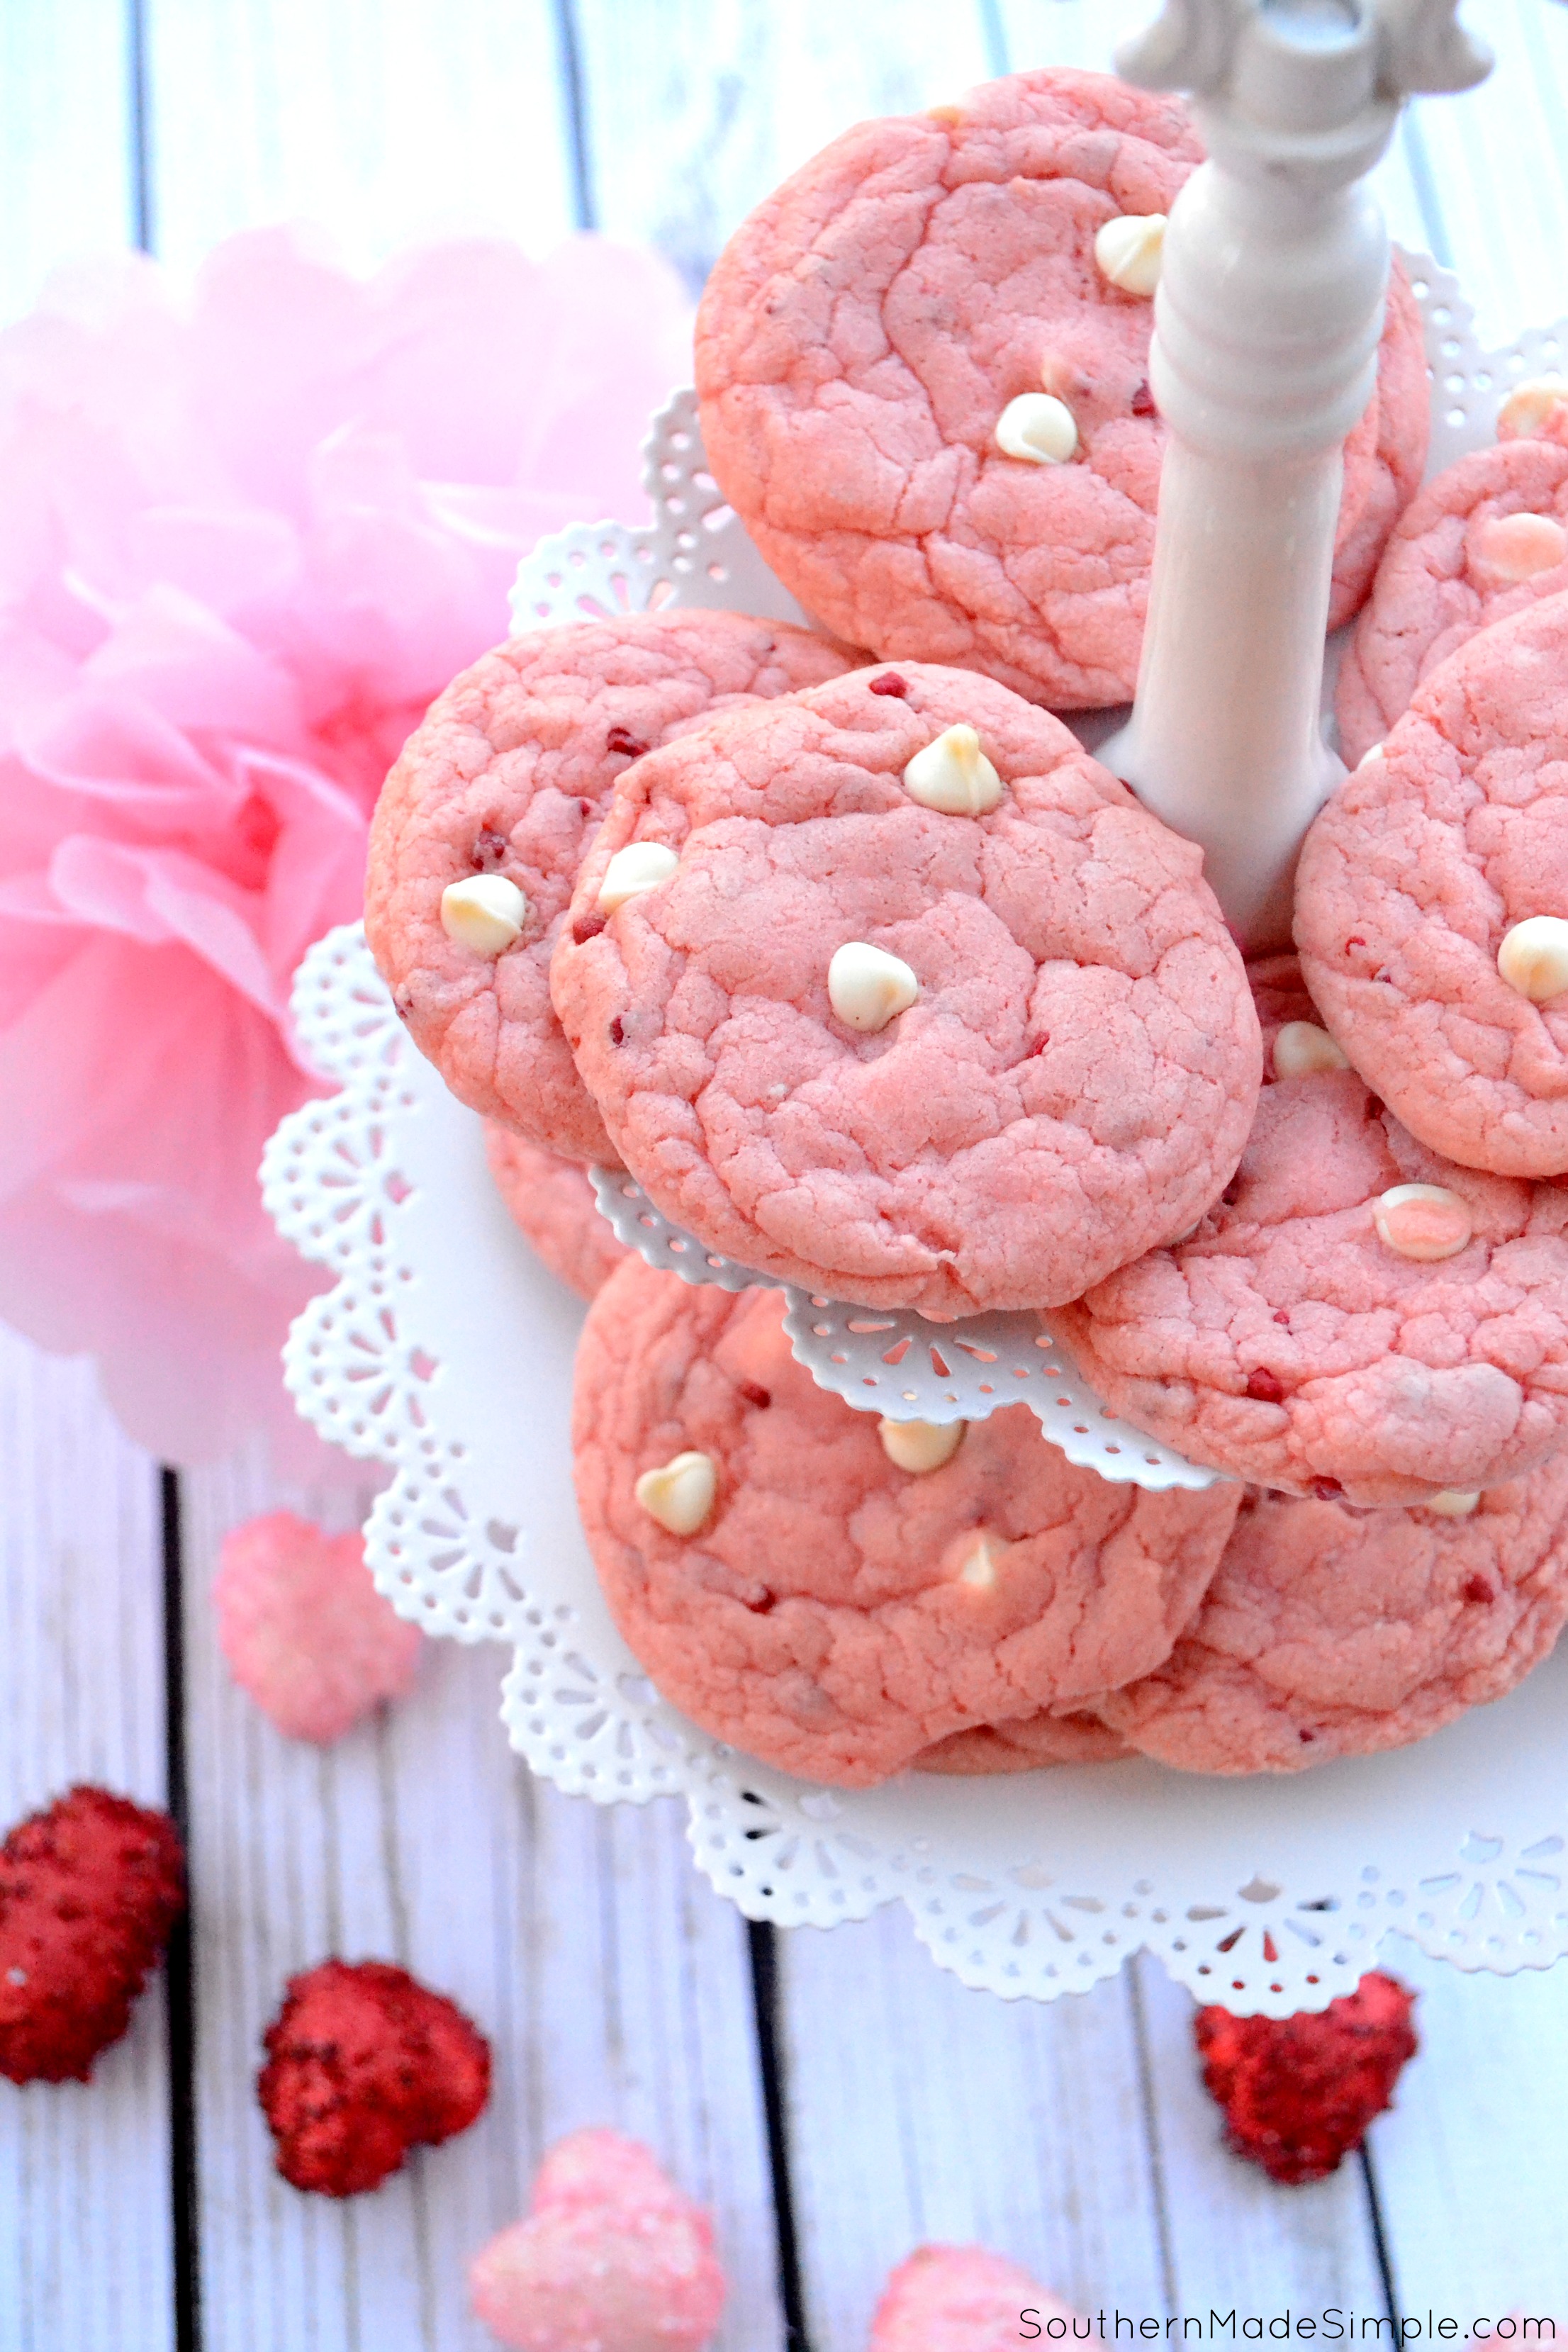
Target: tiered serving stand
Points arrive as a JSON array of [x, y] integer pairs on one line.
[[445, 1350]]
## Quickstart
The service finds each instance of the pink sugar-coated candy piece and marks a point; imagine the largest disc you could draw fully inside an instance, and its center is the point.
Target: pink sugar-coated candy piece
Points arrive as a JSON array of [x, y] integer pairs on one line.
[[304, 1630], [613, 2257], [961, 2299]]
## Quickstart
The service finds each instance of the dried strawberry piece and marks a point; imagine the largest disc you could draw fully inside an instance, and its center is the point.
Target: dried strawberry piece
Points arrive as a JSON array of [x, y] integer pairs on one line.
[[89, 1892], [364, 2062], [1298, 2093]]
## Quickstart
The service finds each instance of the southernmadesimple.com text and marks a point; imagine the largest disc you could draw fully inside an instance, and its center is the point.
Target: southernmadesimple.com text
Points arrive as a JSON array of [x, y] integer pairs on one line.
[[1333, 2326]]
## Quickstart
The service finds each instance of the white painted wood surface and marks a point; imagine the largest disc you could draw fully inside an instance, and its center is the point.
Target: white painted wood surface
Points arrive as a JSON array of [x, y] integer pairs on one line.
[[84, 2168], [613, 1985]]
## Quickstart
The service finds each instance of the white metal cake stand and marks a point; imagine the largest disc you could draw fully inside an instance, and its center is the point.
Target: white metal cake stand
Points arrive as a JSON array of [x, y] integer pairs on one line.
[[444, 1349]]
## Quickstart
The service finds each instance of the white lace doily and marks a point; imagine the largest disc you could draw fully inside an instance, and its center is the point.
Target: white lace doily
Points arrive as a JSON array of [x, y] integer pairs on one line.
[[892, 1362], [446, 1351]]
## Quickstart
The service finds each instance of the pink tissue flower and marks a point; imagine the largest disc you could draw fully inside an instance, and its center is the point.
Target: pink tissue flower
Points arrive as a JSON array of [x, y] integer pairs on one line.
[[304, 1630], [243, 540]]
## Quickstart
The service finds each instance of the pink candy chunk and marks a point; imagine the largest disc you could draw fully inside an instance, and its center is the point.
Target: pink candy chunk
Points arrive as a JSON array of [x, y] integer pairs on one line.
[[613, 2257], [962, 2299], [1425, 1222], [305, 1630]]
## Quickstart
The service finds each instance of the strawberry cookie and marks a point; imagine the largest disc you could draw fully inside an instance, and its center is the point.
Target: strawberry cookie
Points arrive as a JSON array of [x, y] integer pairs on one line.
[[1484, 540], [1355, 1315], [551, 1201], [833, 1595], [1432, 904], [484, 821], [1023, 1747], [923, 368], [1334, 1632], [889, 991]]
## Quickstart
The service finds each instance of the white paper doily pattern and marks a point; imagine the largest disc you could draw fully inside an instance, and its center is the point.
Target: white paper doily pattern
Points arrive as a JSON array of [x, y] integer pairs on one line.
[[446, 1349], [894, 1363]]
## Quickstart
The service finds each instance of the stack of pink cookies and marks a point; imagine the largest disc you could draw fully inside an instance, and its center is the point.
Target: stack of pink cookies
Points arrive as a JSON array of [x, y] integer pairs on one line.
[[879, 985]]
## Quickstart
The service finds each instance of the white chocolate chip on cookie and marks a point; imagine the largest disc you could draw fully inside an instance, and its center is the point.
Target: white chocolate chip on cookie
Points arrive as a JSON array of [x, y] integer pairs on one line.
[[921, 1445], [1528, 405], [1129, 250], [1301, 1049], [953, 774], [979, 1566], [486, 912], [1533, 957], [1039, 426], [868, 988], [680, 1495], [1422, 1221], [640, 866], [1454, 1503], [1520, 546]]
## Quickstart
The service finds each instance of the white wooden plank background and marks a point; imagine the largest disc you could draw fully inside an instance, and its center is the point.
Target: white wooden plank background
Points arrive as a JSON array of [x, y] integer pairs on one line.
[[616, 1987], [84, 2168]]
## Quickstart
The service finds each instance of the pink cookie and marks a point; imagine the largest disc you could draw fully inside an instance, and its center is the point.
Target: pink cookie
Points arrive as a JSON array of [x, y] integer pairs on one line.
[[1334, 1632], [826, 1611], [864, 332], [1410, 887], [552, 1202], [304, 1630], [1289, 1341], [1487, 538], [612, 2258], [1025, 1747], [962, 2299], [1074, 1084], [508, 777]]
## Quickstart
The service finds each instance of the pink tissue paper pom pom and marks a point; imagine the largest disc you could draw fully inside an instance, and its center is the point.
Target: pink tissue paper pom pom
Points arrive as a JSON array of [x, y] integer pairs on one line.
[[245, 537], [613, 2257], [962, 2299], [304, 1630]]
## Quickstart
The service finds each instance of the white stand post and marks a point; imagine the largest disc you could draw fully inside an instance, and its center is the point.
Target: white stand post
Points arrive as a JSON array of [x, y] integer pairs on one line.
[[1266, 324]]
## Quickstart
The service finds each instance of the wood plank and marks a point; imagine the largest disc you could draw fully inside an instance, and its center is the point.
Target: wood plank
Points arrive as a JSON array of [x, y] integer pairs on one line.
[[383, 121], [64, 110], [695, 108], [1473, 2181], [1496, 164], [921, 2111], [84, 2168], [613, 1985]]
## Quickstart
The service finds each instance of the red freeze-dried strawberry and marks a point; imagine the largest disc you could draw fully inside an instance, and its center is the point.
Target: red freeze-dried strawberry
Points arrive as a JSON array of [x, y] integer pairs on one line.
[[89, 1892], [1299, 2091], [363, 2064]]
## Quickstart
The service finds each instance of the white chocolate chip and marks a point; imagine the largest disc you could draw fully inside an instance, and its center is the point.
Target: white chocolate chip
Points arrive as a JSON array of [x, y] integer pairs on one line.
[[484, 913], [1520, 546], [680, 1495], [1039, 426], [980, 1567], [1453, 1504], [1422, 1221], [955, 775], [1129, 250], [1533, 957], [1301, 1049], [1528, 405], [868, 988], [921, 1445], [1372, 751], [640, 866]]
